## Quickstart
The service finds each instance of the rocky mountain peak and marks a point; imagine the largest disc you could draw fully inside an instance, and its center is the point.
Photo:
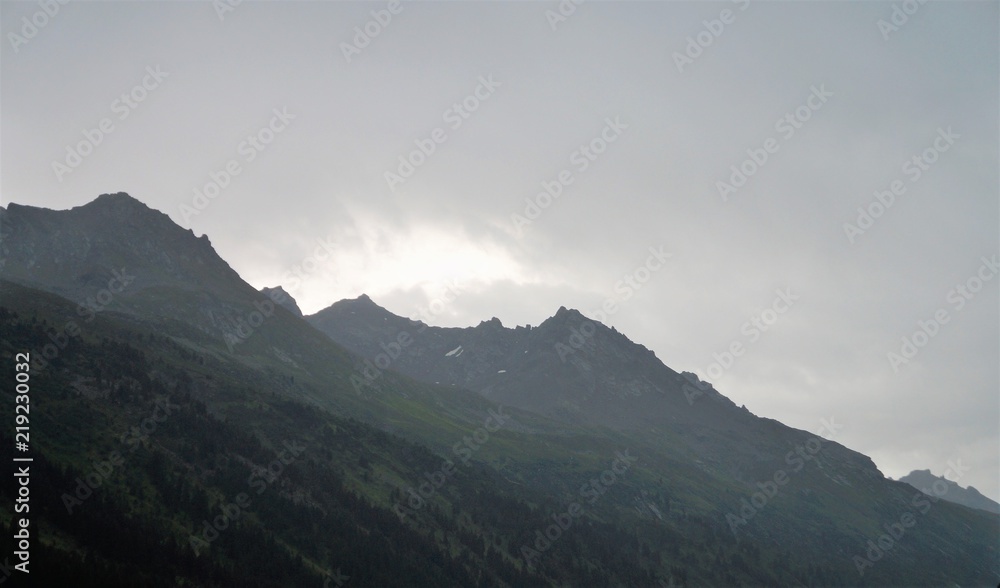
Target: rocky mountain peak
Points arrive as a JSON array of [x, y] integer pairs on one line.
[[74, 252], [493, 323], [118, 199], [945, 489], [283, 298]]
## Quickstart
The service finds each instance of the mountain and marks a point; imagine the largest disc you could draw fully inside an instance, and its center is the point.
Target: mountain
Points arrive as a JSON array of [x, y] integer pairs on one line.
[[116, 256], [187, 429], [279, 296], [578, 371], [101, 245], [568, 367], [940, 487]]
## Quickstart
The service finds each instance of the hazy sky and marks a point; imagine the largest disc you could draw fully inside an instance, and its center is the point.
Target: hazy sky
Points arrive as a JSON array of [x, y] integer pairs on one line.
[[633, 113]]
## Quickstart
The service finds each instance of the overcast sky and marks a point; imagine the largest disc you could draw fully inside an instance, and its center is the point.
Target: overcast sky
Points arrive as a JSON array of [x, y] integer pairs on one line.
[[633, 113]]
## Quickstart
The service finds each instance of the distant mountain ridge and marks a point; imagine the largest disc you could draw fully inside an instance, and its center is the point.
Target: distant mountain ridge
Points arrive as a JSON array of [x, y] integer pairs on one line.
[[945, 489], [575, 370], [568, 367], [283, 298]]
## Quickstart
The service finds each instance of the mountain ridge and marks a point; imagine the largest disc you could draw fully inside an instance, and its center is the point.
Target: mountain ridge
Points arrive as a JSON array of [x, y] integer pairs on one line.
[[577, 391], [945, 489], [563, 338]]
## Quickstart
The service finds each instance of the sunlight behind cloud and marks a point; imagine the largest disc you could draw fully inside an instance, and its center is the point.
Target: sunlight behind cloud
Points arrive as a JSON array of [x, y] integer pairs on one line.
[[375, 259]]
